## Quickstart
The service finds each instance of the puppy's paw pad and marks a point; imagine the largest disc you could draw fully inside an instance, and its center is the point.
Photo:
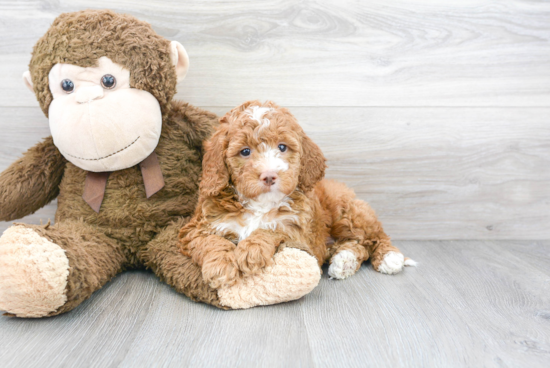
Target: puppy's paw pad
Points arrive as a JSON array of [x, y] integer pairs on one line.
[[343, 265], [392, 263]]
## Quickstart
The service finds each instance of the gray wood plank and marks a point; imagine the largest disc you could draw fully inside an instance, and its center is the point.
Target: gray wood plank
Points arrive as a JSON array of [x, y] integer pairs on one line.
[[442, 173], [468, 303], [95, 334], [501, 297], [326, 53], [535, 254], [430, 173], [199, 336]]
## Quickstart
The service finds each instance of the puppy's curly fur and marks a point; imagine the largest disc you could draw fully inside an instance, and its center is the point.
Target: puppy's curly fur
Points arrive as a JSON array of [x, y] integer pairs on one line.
[[262, 187]]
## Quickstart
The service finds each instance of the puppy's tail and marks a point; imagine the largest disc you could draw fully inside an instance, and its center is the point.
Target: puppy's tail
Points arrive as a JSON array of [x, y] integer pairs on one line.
[[409, 262]]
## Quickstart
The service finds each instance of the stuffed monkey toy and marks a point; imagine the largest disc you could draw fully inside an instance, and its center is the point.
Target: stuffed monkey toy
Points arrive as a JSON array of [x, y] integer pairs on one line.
[[124, 162]]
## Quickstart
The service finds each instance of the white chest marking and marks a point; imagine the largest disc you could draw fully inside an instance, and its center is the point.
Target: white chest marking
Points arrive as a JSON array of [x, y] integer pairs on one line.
[[258, 216]]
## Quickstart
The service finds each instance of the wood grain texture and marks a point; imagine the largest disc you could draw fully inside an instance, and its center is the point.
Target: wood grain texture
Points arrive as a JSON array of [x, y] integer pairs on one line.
[[442, 173], [430, 173], [327, 53], [467, 304]]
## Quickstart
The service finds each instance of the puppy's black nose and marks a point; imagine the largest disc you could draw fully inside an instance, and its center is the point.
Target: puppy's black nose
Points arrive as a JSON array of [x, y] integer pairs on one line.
[[269, 178]]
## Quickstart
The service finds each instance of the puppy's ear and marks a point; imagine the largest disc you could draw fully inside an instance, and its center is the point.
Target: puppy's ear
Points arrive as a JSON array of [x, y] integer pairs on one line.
[[313, 165], [215, 176]]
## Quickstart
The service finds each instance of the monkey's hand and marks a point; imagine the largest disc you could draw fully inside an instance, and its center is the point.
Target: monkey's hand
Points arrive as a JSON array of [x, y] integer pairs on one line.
[[31, 182]]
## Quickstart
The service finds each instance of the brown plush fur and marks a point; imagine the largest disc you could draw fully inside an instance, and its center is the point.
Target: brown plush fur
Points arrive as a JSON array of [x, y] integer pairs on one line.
[[32, 181], [130, 230], [313, 210]]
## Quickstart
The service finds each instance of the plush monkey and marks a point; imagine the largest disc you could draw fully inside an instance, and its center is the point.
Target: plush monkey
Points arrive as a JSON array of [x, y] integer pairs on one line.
[[124, 162]]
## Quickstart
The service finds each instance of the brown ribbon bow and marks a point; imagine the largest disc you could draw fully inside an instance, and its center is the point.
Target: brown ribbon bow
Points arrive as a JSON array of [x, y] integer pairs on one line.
[[94, 187]]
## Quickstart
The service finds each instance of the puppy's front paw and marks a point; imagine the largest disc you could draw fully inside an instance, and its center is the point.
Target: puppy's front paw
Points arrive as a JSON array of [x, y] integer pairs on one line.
[[394, 262], [220, 270], [253, 256]]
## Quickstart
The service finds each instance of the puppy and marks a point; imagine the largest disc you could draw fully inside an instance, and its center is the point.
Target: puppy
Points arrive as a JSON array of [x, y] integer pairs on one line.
[[262, 188]]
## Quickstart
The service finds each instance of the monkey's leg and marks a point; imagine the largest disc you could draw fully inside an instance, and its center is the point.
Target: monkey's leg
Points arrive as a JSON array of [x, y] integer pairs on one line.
[[294, 273], [49, 270], [163, 256]]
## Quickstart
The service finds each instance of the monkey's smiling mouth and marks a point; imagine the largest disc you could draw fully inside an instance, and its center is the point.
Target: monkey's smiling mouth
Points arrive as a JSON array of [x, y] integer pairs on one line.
[[101, 158]]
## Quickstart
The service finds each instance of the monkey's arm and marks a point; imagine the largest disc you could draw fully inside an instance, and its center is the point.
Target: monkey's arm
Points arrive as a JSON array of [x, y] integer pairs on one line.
[[32, 181]]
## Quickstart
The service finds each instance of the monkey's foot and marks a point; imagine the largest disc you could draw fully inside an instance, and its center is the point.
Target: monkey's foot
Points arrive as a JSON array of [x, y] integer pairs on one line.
[[294, 274], [33, 273]]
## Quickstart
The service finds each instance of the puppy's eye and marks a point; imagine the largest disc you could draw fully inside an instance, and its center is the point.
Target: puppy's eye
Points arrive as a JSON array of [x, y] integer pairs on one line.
[[108, 81], [67, 85], [282, 147], [245, 152]]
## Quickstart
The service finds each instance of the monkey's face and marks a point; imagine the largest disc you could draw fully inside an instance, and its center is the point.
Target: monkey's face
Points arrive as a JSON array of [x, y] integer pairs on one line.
[[98, 122]]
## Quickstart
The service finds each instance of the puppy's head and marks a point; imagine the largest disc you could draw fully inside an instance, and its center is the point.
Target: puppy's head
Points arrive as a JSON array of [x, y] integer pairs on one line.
[[260, 149]]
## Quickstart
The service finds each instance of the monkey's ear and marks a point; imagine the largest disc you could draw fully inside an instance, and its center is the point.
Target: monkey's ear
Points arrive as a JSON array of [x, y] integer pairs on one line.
[[28, 80], [180, 59]]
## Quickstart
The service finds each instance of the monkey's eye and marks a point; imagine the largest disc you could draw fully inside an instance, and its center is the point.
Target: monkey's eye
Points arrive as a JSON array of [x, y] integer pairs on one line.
[[245, 152], [282, 147], [108, 81], [67, 85]]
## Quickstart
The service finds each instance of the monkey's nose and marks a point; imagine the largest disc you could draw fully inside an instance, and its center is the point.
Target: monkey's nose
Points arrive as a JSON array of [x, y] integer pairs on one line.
[[87, 94], [269, 178]]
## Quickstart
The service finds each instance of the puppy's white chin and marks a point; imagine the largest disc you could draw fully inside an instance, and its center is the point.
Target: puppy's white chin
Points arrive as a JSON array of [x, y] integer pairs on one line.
[[265, 201], [274, 195]]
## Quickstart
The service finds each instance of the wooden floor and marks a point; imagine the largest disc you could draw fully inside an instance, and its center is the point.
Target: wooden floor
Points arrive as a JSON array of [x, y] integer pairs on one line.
[[467, 304]]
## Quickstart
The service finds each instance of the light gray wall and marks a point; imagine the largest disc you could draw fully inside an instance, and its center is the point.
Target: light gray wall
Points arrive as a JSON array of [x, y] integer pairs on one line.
[[438, 115]]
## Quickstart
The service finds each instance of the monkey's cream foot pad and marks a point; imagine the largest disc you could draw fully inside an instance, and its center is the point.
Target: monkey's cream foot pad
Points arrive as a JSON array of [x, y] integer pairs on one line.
[[33, 273], [294, 274]]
